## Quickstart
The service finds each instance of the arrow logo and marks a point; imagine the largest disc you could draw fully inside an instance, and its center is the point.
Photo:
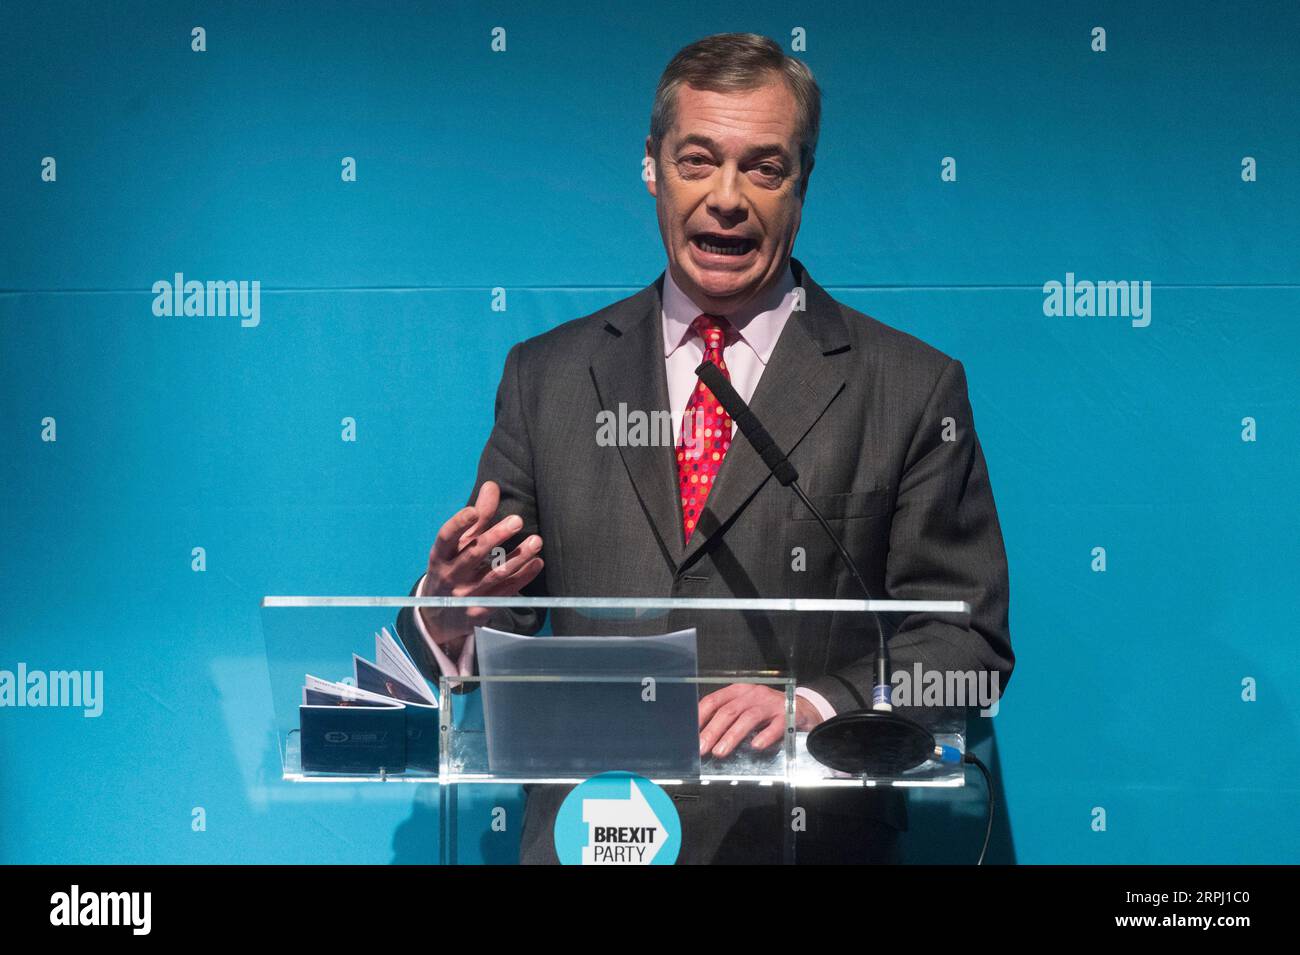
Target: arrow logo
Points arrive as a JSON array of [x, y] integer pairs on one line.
[[622, 831]]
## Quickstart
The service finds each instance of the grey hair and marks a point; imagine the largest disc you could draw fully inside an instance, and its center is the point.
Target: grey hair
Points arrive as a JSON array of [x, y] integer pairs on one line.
[[733, 63]]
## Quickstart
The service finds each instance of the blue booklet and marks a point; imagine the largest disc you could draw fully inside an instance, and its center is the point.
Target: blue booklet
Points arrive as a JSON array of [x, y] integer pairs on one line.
[[387, 721]]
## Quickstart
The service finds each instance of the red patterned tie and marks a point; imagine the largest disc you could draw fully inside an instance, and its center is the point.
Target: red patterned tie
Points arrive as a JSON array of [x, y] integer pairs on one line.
[[706, 429]]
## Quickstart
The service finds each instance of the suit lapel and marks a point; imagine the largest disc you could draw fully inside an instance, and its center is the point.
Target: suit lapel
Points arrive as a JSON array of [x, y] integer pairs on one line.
[[636, 342], [795, 389]]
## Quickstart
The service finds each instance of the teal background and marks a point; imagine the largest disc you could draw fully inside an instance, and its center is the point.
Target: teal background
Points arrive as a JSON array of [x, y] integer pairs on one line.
[[522, 170]]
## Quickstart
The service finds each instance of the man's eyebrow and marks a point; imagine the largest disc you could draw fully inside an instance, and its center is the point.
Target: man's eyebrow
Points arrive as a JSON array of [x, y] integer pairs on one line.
[[764, 149]]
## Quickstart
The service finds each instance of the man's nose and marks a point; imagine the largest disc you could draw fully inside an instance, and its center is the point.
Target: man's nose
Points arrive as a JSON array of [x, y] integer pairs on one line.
[[726, 197]]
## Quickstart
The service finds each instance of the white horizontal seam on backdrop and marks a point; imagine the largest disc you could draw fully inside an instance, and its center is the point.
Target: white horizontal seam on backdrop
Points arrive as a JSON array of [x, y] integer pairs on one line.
[[620, 288]]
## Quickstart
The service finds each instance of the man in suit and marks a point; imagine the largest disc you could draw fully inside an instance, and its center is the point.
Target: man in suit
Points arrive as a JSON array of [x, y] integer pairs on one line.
[[878, 424]]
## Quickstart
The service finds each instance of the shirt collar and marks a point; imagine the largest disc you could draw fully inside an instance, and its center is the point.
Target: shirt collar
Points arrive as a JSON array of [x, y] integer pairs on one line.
[[759, 323]]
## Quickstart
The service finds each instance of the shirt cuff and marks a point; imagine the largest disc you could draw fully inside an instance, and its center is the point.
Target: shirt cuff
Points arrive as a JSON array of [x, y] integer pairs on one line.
[[464, 665], [818, 701]]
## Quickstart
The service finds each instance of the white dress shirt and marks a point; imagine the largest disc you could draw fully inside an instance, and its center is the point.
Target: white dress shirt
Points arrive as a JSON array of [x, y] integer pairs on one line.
[[758, 326]]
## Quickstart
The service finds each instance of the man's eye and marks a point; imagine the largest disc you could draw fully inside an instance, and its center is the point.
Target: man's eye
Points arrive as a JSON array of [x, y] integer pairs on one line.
[[771, 171]]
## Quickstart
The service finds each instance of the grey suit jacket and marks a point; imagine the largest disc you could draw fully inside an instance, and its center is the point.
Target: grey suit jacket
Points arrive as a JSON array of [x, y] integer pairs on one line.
[[880, 428]]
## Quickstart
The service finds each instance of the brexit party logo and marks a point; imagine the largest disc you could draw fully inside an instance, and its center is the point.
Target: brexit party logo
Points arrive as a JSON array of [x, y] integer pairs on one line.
[[617, 819]]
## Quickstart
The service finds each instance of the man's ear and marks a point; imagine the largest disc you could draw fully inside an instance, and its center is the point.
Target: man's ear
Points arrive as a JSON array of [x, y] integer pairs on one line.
[[649, 169]]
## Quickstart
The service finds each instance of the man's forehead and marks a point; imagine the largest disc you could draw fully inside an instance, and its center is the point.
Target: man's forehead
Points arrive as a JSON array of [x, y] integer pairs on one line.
[[765, 116]]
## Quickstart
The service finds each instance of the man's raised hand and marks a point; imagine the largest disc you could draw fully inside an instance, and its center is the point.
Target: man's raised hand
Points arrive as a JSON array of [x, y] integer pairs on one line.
[[461, 565]]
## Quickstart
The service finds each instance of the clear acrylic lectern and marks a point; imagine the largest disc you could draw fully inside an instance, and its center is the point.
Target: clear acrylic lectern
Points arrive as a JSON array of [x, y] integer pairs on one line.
[[560, 721]]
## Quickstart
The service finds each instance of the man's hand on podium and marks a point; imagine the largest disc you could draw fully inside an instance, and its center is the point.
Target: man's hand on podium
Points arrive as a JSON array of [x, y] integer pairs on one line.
[[460, 565], [728, 715]]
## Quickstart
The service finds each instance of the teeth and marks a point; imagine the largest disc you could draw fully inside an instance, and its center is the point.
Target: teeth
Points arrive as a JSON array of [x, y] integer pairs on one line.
[[723, 249]]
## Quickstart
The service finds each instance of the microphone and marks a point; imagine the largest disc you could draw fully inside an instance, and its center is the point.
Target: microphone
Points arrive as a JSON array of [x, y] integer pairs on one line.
[[876, 741], [750, 426]]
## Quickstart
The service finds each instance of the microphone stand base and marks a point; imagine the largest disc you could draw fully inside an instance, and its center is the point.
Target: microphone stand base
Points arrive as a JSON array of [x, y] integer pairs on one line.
[[875, 742]]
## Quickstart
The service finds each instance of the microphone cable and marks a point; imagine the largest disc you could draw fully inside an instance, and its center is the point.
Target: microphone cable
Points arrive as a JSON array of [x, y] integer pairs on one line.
[[949, 754]]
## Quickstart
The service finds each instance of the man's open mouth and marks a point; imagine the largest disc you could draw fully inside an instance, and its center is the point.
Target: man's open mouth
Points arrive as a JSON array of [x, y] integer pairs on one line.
[[722, 244]]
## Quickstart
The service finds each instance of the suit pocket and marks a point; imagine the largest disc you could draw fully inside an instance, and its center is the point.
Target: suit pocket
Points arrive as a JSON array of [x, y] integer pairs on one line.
[[874, 503]]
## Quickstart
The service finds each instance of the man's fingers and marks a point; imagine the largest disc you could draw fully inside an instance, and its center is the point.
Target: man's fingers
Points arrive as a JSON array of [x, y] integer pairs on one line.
[[717, 727], [471, 564], [740, 727], [468, 521], [447, 542], [771, 733], [505, 572], [489, 499], [710, 703], [728, 715], [502, 587], [511, 585], [484, 507]]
